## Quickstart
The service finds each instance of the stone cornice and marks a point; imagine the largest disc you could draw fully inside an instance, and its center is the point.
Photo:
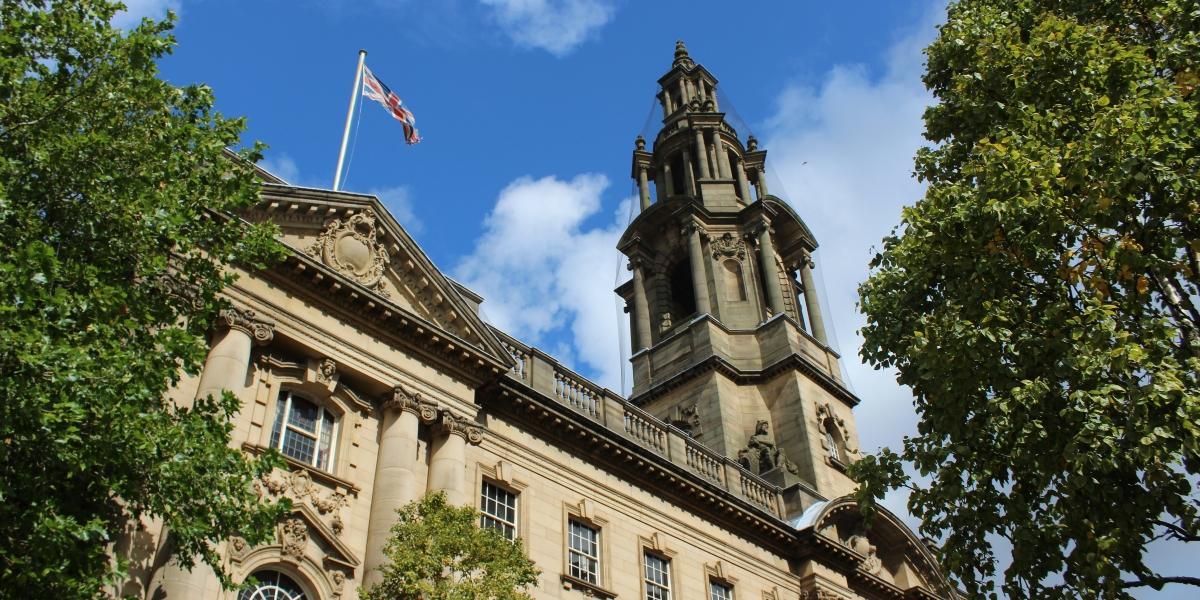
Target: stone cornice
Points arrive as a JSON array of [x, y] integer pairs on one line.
[[326, 286]]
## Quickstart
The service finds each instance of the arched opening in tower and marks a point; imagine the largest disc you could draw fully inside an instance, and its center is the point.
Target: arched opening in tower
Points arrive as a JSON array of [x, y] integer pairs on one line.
[[683, 292], [678, 185]]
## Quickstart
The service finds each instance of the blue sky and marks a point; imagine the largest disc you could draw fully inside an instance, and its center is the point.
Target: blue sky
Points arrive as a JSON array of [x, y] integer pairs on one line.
[[529, 109]]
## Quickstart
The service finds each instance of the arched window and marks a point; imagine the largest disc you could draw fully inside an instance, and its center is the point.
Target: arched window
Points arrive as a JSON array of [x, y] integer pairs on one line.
[[273, 585], [834, 444], [304, 431]]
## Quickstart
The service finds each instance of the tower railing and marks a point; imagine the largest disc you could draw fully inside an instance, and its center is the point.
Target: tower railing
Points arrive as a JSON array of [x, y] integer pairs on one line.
[[550, 379]]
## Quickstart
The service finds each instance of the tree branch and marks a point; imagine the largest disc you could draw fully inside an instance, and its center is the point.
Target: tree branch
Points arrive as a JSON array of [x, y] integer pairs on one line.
[[1157, 582], [1178, 532]]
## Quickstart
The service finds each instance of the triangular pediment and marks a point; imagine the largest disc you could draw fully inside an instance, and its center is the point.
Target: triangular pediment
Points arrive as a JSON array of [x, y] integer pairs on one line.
[[353, 237]]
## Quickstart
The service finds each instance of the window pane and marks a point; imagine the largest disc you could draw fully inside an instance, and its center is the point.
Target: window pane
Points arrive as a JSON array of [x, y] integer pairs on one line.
[[719, 591], [304, 415], [583, 553], [327, 426], [299, 446], [499, 509], [275, 429], [657, 576]]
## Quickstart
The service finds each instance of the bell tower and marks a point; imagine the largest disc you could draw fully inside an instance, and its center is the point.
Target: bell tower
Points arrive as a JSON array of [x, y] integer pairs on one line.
[[728, 338]]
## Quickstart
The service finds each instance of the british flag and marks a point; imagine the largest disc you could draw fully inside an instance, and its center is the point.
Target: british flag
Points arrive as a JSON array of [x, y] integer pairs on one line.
[[376, 90]]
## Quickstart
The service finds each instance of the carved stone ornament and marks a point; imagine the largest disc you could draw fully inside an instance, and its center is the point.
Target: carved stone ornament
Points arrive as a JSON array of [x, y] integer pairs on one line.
[[338, 579], [687, 418], [299, 487], [352, 247], [237, 547], [761, 454], [260, 329], [327, 371], [294, 536], [452, 425], [859, 543], [728, 246], [402, 399]]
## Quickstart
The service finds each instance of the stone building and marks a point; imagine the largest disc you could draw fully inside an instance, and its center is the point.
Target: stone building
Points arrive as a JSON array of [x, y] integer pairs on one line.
[[722, 475]]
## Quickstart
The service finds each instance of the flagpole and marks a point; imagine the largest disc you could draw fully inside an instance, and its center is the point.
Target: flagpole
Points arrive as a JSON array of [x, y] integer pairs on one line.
[[337, 175]]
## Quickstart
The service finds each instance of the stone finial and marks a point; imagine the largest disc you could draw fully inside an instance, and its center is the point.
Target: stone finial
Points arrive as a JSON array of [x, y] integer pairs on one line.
[[640, 143], [681, 55], [751, 144]]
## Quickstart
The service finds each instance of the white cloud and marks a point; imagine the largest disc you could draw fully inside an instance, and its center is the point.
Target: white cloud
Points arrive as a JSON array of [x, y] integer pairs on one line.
[[545, 276], [843, 152], [556, 26], [136, 10]]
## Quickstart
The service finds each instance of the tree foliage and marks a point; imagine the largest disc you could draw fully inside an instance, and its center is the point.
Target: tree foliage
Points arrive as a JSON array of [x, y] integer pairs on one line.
[[1041, 300], [439, 552], [112, 183]]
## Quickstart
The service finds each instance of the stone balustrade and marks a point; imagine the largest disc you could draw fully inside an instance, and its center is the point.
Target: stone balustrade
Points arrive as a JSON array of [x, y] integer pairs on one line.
[[546, 376]]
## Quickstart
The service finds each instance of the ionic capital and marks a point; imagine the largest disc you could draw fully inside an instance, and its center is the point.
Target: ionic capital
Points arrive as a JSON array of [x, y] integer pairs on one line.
[[464, 428], [260, 329], [403, 400]]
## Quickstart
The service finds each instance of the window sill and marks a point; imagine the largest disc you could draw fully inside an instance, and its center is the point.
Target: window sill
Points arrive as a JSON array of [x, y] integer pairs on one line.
[[589, 589], [316, 474], [835, 463]]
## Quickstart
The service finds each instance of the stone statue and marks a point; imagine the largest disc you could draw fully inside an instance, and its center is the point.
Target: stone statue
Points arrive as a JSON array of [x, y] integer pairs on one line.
[[761, 454]]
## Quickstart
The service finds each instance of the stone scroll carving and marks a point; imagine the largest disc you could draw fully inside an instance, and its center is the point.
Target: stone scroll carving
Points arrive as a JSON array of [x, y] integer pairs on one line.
[[452, 425], [352, 247], [259, 328], [761, 454], [403, 399]]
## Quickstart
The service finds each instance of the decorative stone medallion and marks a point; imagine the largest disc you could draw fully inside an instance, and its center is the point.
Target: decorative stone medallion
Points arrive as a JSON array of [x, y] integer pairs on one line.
[[352, 247]]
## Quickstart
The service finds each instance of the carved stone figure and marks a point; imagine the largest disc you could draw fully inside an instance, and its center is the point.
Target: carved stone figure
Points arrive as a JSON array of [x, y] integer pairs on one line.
[[761, 454]]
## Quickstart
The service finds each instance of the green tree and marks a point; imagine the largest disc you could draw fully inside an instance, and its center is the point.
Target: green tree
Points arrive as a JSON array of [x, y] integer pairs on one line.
[[1041, 300], [439, 552], [113, 185]]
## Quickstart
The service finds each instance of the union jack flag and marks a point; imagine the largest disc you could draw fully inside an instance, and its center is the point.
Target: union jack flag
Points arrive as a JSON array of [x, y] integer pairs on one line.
[[376, 90]]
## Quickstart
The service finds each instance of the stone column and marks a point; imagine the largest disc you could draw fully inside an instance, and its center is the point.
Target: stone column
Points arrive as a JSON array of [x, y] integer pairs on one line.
[[770, 273], [722, 156], [760, 181], [689, 175], [226, 367], [641, 308], [228, 361], [743, 183], [702, 154], [395, 484], [448, 460], [643, 187], [811, 302], [699, 277]]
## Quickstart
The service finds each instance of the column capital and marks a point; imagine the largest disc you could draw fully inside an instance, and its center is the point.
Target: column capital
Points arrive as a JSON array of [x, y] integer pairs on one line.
[[403, 400], [464, 428], [260, 329]]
